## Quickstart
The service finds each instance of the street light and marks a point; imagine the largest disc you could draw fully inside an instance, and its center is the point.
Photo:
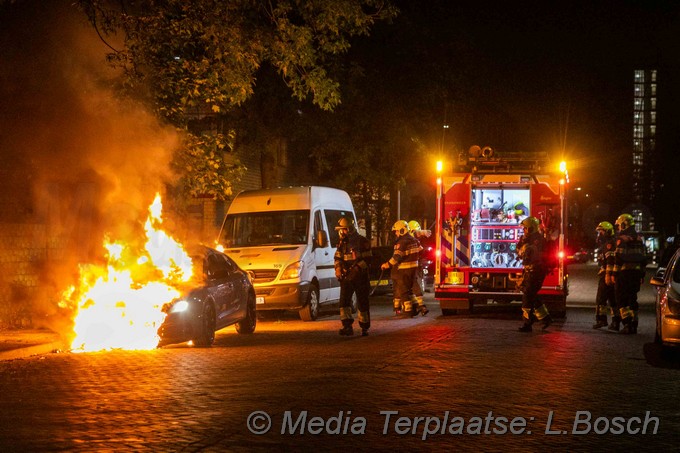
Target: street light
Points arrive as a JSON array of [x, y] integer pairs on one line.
[[438, 225], [564, 179]]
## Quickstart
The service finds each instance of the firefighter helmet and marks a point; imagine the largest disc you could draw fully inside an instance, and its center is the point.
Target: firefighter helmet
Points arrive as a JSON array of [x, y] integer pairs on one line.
[[345, 223], [625, 221], [606, 227], [413, 226], [400, 227], [531, 224]]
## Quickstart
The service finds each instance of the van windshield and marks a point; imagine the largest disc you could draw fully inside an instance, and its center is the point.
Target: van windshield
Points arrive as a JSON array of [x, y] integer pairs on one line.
[[251, 229]]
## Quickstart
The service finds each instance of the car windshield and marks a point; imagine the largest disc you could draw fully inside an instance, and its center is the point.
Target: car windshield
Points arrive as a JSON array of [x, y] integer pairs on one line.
[[252, 229]]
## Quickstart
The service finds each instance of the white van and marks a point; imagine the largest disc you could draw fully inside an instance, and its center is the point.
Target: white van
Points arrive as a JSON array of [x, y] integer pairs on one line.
[[286, 239]]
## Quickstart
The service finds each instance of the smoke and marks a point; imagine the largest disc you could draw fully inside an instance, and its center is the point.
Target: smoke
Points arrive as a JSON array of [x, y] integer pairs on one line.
[[74, 156]]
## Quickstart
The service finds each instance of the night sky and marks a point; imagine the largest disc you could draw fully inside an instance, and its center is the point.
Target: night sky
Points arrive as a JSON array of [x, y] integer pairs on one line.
[[556, 77], [529, 75]]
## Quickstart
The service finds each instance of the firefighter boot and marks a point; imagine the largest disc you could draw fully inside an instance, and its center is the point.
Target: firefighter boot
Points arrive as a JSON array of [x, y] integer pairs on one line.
[[615, 324], [631, 326], [419, 306], [627, 320], [526, 327], [600, 321], [409, 310], [346, 331], [397, 307], [627, 327], [546, 322], [527, 316], [543, 316]]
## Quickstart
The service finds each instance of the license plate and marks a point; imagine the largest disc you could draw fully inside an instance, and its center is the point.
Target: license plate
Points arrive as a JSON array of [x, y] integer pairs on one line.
[[259, 300]]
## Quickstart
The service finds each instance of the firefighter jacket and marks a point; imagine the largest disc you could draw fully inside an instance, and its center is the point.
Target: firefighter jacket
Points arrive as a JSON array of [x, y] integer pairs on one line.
[[532, 250], [352, 256], [406, 252], [630, 251], [606, 252]]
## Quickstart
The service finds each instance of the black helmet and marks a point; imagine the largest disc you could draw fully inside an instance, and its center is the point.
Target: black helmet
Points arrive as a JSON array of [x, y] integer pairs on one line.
[[346, 223], [531, 224]]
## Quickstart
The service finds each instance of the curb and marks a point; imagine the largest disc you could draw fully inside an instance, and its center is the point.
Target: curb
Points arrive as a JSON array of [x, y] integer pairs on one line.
[[39, 349]]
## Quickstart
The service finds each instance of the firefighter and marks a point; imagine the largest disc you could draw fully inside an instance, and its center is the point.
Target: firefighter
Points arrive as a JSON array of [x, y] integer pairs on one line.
[[532, 250], [606, 247], [417, 289], [629, 270], [351, 269], [404, 264]]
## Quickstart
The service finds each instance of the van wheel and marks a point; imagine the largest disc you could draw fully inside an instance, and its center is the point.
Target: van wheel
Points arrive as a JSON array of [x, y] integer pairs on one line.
[[311, 309]]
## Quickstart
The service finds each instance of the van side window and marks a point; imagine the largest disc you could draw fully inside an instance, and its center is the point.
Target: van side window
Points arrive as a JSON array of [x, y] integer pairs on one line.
[[318, 223], [332, 217]]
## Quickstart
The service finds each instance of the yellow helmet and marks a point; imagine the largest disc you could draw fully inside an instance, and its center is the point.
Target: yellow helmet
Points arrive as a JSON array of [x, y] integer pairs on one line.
[[606, 227], [531, 224], [624, 221], [400, 227], [413, 226]]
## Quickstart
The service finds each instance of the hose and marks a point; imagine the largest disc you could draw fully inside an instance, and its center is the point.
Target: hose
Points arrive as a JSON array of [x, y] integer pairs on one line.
[[382, 272]]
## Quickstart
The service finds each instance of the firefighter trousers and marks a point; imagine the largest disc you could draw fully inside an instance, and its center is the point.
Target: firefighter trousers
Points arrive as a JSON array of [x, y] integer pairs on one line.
[[532, 281], [361, 286]]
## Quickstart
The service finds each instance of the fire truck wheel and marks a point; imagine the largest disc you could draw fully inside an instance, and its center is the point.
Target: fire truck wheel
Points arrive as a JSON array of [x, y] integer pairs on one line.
[[311, 309], [206, 336]]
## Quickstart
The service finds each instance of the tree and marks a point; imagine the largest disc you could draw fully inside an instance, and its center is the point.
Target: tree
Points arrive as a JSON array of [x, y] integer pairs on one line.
[[195, 60]]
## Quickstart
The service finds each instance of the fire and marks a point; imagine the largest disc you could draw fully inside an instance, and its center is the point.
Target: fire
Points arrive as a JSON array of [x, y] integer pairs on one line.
[[119, 305]]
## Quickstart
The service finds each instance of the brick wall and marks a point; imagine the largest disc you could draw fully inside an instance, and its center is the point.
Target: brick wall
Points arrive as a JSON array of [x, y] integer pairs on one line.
[[24, 248]]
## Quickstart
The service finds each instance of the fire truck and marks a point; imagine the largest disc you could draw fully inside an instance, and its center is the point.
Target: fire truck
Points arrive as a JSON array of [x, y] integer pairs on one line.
[[479, 210]]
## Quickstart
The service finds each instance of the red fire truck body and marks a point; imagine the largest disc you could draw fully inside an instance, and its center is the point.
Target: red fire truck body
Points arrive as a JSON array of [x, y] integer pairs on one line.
[[479, 213]]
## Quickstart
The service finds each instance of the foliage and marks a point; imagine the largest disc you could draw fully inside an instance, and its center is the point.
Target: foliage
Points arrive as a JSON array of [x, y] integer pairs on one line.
[[204, 55], [204, 168], [202, 58]]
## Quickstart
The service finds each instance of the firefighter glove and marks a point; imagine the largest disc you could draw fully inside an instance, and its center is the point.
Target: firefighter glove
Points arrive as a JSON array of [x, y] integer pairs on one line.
[[338, 273], [385, 266]]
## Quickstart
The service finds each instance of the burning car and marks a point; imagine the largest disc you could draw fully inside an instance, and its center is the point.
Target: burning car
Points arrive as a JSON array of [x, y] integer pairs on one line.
[[224, 297]]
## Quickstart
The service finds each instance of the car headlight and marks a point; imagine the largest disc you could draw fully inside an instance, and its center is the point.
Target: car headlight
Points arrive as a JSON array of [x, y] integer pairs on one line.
[[293, 271], [179, 306]]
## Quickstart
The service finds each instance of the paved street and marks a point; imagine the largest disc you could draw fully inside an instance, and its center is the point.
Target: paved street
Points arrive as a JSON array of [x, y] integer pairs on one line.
[[477, 383]]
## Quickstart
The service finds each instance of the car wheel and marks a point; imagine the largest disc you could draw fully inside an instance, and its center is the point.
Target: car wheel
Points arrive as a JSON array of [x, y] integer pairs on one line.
[[311, 310], [247, 324], [206, 335]]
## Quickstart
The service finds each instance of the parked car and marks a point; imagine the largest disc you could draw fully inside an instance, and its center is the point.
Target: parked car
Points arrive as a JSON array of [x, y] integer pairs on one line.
[[224, 297], [667, 283]]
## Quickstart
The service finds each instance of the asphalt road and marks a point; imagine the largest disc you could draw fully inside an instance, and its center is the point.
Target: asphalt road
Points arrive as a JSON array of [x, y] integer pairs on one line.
[[465, 383]]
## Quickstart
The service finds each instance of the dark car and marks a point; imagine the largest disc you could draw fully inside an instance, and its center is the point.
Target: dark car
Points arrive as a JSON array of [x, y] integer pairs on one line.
[[667, 283], [224, 297]]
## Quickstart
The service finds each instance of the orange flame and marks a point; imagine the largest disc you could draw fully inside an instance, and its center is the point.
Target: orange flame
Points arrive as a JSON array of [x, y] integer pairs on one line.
[[119, 306]]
